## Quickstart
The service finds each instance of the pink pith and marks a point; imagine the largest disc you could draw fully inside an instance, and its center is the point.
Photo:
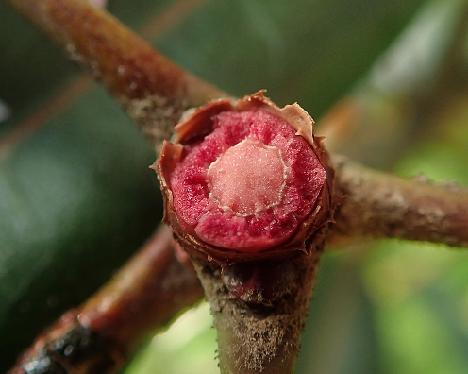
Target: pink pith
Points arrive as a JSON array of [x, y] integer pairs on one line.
[[209, 206]]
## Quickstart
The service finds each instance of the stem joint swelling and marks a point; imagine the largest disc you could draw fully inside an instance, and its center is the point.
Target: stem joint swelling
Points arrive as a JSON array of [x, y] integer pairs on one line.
[[247, 189]]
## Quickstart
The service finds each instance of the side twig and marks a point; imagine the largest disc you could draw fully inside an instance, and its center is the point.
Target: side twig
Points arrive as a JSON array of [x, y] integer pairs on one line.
[[153, 90], [384, 206], [99, 336]]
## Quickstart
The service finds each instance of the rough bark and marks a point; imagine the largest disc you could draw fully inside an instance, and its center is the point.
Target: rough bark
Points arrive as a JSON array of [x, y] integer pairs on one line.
[[259, 311], [153, 90], [385, 206]]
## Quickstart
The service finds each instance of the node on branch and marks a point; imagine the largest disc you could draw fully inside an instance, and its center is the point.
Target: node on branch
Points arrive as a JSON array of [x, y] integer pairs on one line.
[[245, 185], [245, 180]]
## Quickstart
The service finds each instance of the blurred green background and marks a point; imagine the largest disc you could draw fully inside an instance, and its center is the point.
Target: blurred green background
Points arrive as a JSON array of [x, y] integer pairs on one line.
[[76, 196]]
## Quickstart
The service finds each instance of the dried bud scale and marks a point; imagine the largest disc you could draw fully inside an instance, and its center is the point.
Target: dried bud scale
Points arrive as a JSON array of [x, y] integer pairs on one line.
[[245, 180]]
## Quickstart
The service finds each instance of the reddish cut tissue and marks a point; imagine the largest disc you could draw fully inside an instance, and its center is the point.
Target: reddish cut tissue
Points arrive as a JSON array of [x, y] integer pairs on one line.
[[243, 178]]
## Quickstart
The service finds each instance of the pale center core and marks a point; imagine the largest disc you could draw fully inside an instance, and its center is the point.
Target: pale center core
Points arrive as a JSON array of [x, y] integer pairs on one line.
[[248, 178]]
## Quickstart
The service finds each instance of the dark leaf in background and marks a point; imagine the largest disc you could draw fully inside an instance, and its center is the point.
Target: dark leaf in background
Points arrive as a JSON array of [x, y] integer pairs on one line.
[[309, 51], [76, 199]]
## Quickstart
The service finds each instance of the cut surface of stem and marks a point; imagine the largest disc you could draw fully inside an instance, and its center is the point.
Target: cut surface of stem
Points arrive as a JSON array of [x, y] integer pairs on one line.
[[245, 180]]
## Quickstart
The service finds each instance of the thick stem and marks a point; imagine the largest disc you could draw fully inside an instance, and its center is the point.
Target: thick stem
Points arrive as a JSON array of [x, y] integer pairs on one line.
[[259, 312], [153, 90], [384, 206], [143, 296], [250, 201]]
